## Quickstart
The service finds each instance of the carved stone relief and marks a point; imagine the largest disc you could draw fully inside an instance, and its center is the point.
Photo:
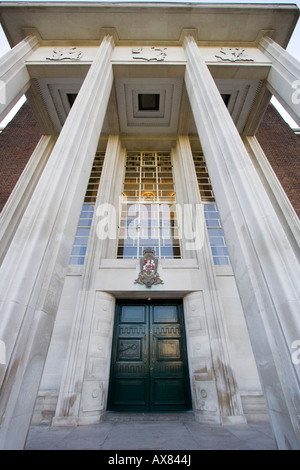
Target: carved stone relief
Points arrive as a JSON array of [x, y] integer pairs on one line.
[[93, 396], [150, 54], [233, 54], [148, 275], [70, 54], [205, 398]]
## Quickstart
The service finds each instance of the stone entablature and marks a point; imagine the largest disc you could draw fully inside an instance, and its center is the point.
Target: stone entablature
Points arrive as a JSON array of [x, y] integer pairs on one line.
[[149, 54]]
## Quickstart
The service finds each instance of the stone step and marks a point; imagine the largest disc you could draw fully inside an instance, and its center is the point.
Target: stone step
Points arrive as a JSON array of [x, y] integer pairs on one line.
[[125, 417]]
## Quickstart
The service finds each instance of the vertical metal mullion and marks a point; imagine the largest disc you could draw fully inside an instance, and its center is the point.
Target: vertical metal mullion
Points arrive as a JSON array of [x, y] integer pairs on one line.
[[158, 201], [138, 204], [141, 172], [156, 176]]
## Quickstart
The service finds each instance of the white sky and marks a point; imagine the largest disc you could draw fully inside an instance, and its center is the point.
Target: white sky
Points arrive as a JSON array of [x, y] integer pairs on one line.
[[293, 46]]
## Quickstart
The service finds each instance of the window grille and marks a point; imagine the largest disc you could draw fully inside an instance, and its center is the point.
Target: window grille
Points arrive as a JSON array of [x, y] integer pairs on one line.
[[212, 218], [85, 220], [148, 213]]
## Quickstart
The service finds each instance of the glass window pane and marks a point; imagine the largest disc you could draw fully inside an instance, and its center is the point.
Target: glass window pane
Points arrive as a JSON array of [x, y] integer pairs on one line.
[[165, 314], [217, 241], [133, 314], [153, 189]]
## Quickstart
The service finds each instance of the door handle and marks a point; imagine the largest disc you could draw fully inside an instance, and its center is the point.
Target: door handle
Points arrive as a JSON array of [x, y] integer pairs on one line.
[[153, 350], [145, 349]]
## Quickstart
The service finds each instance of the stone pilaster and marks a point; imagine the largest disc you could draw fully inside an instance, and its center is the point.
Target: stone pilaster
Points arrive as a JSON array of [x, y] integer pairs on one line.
[[266, 269]]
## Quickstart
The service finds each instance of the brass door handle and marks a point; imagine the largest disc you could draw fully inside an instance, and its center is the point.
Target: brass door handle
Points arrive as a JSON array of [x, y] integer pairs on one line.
[[145, 349], [153, 350]]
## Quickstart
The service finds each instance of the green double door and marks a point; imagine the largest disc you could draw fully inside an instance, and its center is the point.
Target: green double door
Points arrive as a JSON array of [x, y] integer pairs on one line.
[[149, 367]]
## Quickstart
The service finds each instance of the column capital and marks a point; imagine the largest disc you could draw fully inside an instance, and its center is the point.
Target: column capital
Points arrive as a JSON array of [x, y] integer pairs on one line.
[[189, 36], [188, 32], [190, 40], [111, 32], [284, 77], [109, 38], [14, 77], [274, 50]]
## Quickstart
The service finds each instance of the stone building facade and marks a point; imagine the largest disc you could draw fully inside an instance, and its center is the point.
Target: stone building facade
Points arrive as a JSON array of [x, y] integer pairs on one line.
[[149, 253]]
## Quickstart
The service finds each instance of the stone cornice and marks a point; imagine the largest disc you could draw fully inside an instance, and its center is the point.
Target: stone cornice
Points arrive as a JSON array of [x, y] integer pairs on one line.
[[213, 23]]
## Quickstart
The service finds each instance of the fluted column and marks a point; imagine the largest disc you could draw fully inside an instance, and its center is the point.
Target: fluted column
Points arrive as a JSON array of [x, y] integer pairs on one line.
[[14, 77], [284, 77], [265, 266], [33, 271]]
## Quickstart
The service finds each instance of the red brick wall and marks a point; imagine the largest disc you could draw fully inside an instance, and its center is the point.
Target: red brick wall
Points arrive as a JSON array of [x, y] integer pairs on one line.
[[17, 142], [282, 148]]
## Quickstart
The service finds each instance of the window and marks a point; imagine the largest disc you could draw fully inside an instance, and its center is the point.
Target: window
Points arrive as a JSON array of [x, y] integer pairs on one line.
[[211, 213], [71, 98], [226, 98], [148, 214], [87, 212], [148, 102]]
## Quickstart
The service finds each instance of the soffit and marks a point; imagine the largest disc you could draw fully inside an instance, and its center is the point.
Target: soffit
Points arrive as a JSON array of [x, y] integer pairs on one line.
[[163, 120], [172, 116], [156, 23]]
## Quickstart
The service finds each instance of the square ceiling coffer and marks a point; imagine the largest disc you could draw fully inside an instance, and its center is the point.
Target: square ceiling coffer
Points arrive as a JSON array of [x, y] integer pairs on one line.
[[148, 101], [148, 104]]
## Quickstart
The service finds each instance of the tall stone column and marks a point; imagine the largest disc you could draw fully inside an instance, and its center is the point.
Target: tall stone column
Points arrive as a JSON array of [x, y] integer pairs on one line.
[[33, 271], [14, 77], [265, 266], [284, 77]]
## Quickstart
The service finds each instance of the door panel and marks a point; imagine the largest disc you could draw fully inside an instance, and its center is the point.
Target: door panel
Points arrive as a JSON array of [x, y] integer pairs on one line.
[[149, 369], [130, 378], [130, 393], [168, 393], [168, 371]]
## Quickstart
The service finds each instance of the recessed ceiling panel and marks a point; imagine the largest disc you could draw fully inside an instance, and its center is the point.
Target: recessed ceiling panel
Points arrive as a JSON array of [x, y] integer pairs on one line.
[[148, 105]]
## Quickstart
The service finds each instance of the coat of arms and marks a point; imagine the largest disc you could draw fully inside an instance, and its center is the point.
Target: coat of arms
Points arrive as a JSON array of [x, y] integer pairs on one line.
[[148, 274]]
